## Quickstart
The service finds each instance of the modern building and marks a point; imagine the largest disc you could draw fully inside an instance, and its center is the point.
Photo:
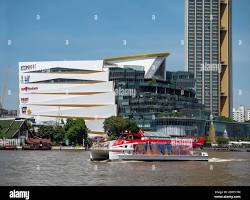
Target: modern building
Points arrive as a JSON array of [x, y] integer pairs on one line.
[[133, 86], [208, 52], [235, 130], [55, 90], [181, 79], [154, 93], [241, 114]]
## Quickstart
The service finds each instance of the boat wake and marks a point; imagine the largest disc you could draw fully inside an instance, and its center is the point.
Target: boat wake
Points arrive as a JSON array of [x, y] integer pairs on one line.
[[225, 160]]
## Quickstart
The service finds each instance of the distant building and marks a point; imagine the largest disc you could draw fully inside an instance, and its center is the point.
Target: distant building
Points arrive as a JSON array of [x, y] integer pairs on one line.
[[8, 113], [240, 114], [248, 115], [208, 52]]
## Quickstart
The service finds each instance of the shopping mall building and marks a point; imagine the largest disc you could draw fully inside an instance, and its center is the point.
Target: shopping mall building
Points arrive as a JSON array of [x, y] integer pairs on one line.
[[134, 86]]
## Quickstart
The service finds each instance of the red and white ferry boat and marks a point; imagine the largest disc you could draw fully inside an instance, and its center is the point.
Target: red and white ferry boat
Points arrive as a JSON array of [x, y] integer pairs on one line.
[[148, 146]]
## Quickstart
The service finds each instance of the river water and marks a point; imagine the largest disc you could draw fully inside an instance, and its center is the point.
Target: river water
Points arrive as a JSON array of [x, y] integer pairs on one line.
[[73, 168]]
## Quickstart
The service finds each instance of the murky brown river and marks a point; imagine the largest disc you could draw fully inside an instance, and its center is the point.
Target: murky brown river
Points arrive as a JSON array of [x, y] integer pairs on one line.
[[73, 168]]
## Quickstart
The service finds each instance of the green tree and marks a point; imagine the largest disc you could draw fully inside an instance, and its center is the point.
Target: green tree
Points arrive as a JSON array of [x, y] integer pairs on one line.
[[88, 142], [58, 134], [45, 132], [116, 125], [76, 131], [69, 123], [178, 114], [131, 126], [222, 140]]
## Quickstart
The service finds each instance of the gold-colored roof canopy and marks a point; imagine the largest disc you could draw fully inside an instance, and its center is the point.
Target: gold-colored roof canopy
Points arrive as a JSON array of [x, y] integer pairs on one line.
[[135, 56]]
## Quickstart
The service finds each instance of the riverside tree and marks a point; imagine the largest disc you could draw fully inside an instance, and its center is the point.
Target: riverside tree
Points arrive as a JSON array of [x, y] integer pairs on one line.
[[55, 133], [59, 135], [45, 132], [116, 125], [76, 131]]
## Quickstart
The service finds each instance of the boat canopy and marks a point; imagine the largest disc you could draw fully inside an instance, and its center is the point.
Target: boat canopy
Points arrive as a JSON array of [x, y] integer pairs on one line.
[[156, 134]]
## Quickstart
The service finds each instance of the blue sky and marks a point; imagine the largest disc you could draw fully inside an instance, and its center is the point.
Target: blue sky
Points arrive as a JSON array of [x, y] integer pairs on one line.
[[37, 30]]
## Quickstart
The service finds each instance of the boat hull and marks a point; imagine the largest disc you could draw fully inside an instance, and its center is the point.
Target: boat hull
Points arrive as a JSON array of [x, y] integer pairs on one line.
[[107, 154], [99, 154], [163, 157]]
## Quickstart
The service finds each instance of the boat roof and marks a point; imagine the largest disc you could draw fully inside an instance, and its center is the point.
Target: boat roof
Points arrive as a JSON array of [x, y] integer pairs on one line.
[[156, 134]]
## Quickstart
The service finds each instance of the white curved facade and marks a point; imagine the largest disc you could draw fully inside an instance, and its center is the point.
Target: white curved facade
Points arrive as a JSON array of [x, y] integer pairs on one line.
[[55, 90], [51, 91]]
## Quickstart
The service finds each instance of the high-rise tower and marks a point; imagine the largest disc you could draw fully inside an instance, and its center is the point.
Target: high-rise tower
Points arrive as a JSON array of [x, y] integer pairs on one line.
[[208, 52]]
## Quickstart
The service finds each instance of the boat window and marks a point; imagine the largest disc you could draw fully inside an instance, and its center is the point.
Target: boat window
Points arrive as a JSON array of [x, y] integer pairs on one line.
[[130, 137], [126, 137], [122, 137]]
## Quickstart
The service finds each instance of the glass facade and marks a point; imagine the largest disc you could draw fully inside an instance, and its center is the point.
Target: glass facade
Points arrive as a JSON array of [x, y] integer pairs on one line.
[[234, 129], [151, 99], [156, 103], [181, 79], [200, 127]]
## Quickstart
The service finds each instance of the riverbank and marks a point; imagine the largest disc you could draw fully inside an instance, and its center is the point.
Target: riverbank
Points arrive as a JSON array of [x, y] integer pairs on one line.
[[225, 149], [55, 148], [60, 148], [81, 148]]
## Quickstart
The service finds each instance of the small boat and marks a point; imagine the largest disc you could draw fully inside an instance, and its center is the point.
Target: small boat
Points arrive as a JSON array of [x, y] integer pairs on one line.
[[145, 146], [37, 144]]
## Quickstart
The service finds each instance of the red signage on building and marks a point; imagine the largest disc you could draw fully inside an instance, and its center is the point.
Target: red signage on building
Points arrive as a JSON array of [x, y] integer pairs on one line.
[[26, 88]]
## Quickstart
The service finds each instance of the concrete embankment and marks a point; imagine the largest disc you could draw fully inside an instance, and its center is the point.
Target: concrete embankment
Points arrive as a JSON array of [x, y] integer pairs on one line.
[[58, 148], [226, 149]]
